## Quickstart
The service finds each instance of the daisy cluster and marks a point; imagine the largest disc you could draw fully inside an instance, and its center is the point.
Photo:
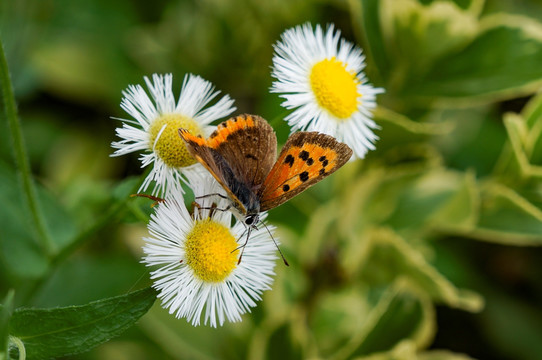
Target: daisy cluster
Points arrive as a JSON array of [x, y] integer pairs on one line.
[[195, 254]]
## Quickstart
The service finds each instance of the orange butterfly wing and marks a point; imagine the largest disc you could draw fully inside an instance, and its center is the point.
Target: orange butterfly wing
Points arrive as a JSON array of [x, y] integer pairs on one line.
[[249, 146], [204, 154], [239, 154], [305, 159]]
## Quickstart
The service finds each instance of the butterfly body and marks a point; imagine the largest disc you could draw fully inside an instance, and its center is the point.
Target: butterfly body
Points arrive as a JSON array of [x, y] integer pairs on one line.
[[242, 156]]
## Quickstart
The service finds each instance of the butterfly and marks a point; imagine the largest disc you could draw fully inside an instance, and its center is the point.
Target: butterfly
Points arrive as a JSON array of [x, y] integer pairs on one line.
[[241, 154]]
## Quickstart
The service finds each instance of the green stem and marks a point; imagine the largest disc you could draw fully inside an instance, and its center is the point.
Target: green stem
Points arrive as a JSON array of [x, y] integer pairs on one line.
[[114, 212], [5, 315], [36, 287], [21, 159]]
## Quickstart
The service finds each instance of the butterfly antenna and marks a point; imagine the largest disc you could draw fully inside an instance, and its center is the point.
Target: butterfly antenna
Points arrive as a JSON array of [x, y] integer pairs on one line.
[[278, 248], [212, 194]]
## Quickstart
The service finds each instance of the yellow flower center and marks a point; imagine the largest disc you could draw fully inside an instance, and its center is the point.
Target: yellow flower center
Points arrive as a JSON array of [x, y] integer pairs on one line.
[[209, 250], [335, 87], [169, 146]]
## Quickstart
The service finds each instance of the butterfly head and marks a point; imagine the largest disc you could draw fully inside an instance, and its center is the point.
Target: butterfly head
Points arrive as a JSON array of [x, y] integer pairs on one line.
[[251, 220]]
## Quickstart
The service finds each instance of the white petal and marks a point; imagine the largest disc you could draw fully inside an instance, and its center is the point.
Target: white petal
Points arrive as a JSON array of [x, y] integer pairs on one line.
[[295, 55], [183, 293], [195, 95]]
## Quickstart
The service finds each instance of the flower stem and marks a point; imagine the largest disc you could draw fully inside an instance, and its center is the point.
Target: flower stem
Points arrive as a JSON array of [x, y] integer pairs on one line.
[[5, 314], [21, 159]]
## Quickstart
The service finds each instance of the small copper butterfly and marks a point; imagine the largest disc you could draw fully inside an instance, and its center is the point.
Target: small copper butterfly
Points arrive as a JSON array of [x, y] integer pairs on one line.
[[241, 155]]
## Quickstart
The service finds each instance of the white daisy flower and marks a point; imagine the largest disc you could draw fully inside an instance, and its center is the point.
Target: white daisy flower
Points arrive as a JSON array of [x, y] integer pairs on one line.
[[157, 119], [324, 81], [199, 277]]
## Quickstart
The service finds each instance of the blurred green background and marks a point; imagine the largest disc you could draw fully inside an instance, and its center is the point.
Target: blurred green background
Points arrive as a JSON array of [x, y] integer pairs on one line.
[[427, 249]]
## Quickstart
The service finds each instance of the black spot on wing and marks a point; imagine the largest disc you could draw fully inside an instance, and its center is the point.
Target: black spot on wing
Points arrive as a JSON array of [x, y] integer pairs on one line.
[[304, 155], [309, 161], [324, 160], [251, 156], [286, 187], [304, 176], [289, 160]]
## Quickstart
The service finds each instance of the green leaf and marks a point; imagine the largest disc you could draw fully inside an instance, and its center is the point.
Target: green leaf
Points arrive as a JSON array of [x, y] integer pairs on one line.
[[398, 316], [441, 51], [506, 217], [462, 148], [461, 209], [49, 333], [513, 326], [366, 19], [89, 278], [519, 138], [532, 113], [432, 197], [179, 338], [442, 355], [384, 196], [366, 320], [419, 35], [321, 230], [532, 9], [391, 257], [281, 344], [64, 57], [347, 310], [404, 350], [59, 222], [403, 317], [20, 253], [399, 130], [503, 61], [125, 188]]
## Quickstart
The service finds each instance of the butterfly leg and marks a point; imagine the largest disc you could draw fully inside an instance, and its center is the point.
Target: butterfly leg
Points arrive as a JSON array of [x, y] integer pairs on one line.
[[212, 208], [156, 199], [196, 205]]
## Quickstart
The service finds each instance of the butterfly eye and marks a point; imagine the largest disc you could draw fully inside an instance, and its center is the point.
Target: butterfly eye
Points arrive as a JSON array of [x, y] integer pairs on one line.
[[249, 220]]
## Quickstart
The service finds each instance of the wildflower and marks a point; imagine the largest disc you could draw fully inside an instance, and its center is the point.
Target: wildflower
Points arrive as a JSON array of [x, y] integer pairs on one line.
[[155, 124], [199, 275], [323, 80]]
